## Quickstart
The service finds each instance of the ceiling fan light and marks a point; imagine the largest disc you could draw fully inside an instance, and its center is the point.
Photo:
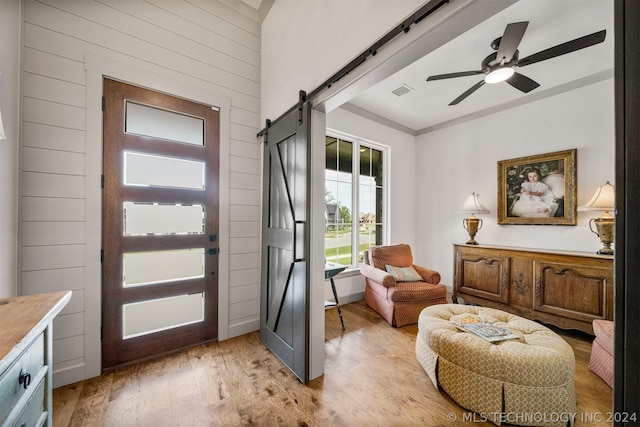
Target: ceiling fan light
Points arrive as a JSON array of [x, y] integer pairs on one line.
[[499, 75]]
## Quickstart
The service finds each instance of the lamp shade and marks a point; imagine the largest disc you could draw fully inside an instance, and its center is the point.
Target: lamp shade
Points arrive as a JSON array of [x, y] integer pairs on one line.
[[603, 200], [473, 205]]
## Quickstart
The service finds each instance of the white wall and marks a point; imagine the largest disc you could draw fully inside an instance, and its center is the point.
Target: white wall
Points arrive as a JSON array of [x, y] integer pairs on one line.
[[454, 162], [306, 42], [10, 107], [204, 45]]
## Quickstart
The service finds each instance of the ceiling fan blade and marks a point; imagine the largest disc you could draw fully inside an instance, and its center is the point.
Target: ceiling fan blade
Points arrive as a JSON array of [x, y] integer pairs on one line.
[[452, 75], [522, 83], [510, 40], [564, 48], [469, 91]]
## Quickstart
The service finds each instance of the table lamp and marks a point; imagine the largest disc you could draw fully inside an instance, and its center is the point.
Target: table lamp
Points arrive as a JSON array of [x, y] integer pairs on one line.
[[472, 205], [603, 200]]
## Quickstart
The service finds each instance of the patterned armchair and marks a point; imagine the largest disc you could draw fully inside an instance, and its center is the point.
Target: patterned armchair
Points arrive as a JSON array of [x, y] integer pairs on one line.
[[392, 287]]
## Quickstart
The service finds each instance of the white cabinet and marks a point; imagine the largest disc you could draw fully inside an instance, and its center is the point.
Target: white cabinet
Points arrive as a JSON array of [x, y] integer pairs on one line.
[[26, 358]]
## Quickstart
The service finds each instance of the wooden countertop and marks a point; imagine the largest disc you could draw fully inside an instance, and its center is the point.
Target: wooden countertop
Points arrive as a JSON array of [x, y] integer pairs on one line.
[[538, 250], [22, 318]]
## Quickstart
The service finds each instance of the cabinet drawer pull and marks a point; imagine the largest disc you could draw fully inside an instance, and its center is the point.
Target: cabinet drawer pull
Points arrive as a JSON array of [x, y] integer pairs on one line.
[[24, 379]]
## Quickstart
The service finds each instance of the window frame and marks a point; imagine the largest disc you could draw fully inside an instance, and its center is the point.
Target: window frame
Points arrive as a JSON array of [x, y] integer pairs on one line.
[[358, 142]]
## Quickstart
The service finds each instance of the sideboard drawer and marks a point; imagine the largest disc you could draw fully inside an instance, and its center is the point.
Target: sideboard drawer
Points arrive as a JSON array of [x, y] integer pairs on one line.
[[34, 413], [572, 290], [483, 275], [26, 368]]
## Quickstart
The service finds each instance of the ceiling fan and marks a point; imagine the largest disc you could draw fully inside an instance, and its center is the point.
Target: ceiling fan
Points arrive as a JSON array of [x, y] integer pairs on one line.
[[500, 65]]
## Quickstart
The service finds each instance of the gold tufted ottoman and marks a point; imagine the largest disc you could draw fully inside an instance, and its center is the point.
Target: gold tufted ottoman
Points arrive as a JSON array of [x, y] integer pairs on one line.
[[526, 381]]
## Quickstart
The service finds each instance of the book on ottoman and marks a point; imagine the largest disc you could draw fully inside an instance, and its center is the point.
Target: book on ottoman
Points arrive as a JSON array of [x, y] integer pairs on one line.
[[486, 330]]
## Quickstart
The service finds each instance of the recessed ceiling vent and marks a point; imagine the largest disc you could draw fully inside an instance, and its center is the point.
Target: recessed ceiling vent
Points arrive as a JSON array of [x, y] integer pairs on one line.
[[402, 90]]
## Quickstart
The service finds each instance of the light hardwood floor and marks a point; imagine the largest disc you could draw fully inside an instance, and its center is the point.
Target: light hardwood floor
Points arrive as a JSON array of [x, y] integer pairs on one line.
[[372, 378]]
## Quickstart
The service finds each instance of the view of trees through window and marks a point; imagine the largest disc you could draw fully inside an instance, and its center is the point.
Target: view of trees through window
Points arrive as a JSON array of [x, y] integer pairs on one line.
[[353, 200]]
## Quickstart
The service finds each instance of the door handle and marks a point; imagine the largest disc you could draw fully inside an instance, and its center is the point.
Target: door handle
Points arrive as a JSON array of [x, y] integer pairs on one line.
[[213, 251], [24, 379]]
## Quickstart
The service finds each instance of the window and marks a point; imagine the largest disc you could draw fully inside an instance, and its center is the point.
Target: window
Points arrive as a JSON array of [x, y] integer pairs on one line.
[[354, 182]]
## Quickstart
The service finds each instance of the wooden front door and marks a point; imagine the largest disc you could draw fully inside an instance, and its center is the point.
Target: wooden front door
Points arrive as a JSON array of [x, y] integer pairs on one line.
[[284, 314], [160, 223]]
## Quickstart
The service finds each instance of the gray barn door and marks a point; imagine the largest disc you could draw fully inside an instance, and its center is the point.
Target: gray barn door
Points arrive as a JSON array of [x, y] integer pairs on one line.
[[284, 314]]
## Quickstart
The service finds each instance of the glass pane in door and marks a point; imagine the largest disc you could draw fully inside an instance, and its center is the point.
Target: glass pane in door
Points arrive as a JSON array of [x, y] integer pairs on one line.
[[143, 219], [157, 171], [146, 317], [148, 268], [163, 124]]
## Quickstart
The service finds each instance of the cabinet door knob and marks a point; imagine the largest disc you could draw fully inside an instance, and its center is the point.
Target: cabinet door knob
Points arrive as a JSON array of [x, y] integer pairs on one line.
[[24, 378]]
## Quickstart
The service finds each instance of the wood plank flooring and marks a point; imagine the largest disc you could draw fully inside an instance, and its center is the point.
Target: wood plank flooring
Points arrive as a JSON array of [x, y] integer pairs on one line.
[[372, 378]]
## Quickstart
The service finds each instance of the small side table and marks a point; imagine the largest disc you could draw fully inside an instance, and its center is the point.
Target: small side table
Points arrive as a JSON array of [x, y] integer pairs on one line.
[[330, 271]]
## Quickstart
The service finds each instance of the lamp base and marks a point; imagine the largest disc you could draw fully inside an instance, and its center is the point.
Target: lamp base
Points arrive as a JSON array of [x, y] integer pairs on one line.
[[472, 225], [604, 230], [605, 251]]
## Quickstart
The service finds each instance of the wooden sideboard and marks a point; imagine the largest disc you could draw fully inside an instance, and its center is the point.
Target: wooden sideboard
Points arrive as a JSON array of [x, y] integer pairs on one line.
[[26, 356], [565, 289]]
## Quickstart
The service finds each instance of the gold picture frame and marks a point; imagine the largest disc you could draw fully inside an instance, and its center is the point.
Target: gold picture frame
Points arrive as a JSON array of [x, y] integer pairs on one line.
[[548, 199]]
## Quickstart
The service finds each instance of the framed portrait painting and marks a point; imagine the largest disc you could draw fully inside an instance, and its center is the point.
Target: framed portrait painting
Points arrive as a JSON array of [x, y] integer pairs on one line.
[[538, 190]]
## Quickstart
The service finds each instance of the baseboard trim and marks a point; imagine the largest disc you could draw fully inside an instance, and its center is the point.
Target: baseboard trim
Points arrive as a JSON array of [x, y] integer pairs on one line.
[[237, 329], [346, 299], [68, 375]]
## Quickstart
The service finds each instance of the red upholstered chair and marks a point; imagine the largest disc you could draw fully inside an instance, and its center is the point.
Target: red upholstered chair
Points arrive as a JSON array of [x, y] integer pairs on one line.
[[601, 361], [399, 301]]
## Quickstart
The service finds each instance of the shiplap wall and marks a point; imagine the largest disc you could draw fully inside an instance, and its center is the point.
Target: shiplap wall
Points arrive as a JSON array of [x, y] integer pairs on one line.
[[10, 31], [206, 43]]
